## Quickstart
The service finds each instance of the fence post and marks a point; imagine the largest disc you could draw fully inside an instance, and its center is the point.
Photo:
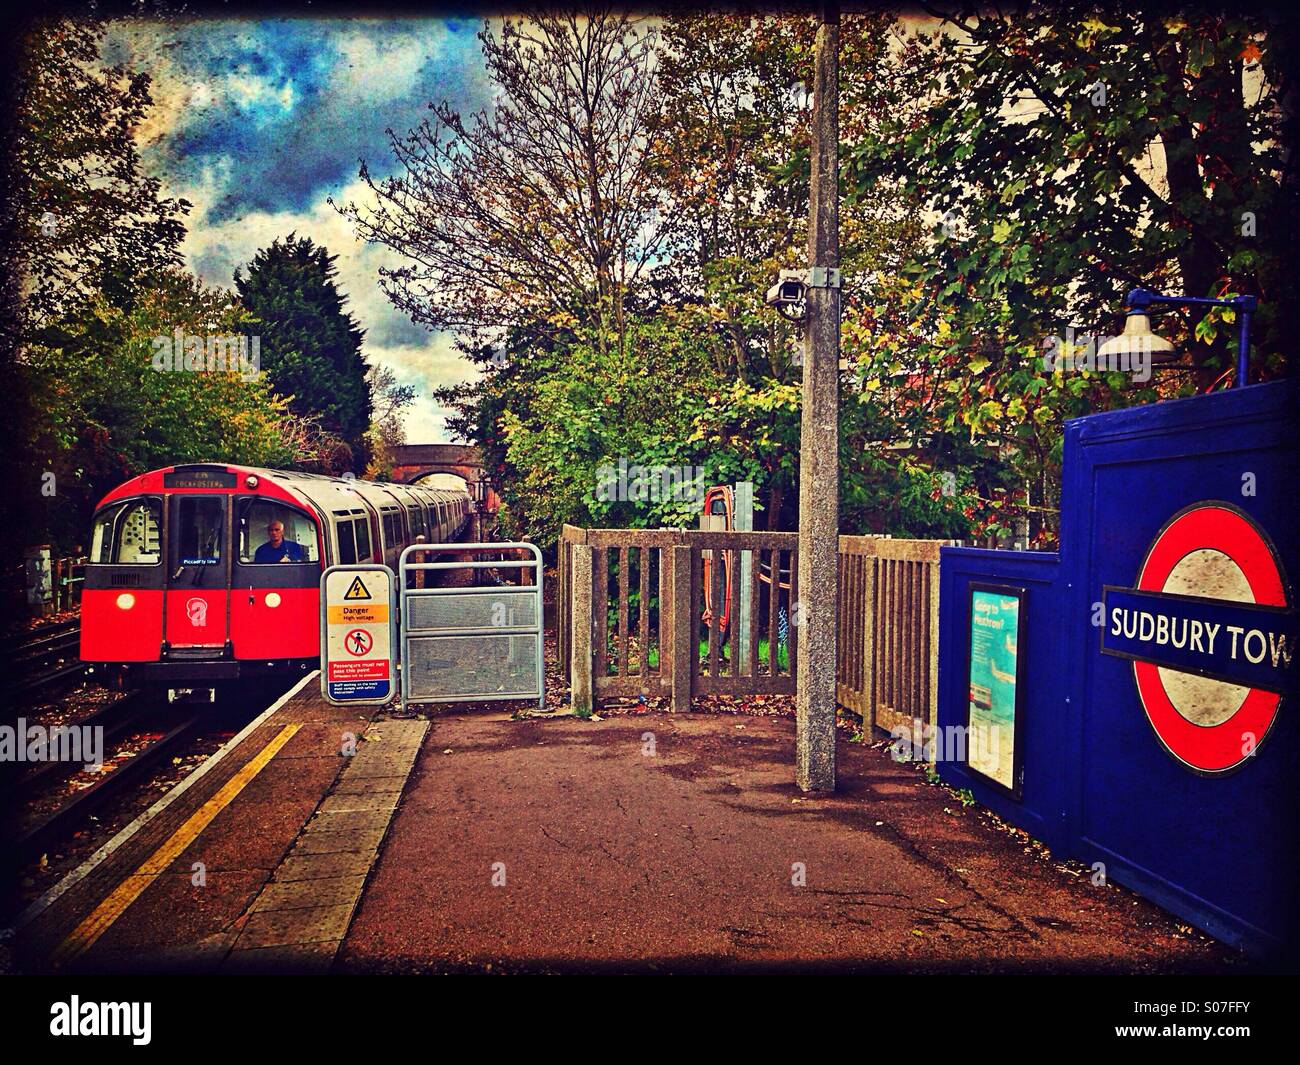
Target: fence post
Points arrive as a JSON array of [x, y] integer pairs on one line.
[[869, 643], [932, 573], [580, 679], [684, 649]]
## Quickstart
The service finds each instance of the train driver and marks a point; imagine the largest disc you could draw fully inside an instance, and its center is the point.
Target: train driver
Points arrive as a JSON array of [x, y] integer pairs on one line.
[[277, 548]]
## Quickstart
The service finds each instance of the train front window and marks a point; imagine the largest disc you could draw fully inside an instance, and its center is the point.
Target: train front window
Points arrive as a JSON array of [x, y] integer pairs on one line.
[[128, 534], [271, 532], [198, 530]]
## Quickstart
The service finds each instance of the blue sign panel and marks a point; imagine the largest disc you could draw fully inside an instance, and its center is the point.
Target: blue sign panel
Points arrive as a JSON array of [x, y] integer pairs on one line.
[[1157, 725], [360, 690]]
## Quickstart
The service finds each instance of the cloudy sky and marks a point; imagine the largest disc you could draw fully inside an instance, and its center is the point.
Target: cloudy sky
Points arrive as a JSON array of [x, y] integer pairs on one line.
[[257, 123]]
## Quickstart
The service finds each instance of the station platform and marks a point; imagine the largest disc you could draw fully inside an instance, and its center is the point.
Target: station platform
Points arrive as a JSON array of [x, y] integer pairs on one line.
[[254, 861], [478, 841]]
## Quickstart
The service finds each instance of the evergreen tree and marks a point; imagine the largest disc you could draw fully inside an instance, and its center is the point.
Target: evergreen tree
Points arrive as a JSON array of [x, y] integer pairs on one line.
[[311, 346]]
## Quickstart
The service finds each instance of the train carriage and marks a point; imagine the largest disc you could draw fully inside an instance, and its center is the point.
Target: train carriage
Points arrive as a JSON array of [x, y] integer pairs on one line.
[[206, 573]]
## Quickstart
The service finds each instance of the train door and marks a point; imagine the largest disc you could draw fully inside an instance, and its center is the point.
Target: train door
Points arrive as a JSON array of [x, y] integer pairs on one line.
[[198, 568]]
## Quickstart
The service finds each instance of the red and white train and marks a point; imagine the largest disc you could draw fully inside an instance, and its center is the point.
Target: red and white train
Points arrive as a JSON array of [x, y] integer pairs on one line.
[[207, 573]]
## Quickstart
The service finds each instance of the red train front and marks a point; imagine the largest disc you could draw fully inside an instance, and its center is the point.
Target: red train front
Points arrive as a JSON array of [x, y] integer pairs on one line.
[[208, 573]]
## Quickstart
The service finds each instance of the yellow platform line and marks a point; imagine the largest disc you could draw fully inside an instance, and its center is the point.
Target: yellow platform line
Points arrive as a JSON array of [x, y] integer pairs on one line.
[[83, 937]]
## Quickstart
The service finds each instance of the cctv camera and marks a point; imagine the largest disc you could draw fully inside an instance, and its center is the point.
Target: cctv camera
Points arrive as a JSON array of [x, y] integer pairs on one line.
[[787, 295]]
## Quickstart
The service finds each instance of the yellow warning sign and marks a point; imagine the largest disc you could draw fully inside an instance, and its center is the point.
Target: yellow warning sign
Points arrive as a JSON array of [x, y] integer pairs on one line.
[[358, 637], [341, 614]]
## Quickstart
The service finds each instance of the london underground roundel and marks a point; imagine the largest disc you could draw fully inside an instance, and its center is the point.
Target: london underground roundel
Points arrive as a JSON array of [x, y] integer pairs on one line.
[[1211, 632]]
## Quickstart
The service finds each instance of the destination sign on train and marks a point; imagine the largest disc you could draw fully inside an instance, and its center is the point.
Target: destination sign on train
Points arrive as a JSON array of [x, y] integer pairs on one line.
[[200, 478]]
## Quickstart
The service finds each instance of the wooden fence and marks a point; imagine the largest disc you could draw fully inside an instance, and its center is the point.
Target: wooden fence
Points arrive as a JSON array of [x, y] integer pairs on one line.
[[641, 586], [888, 653], [656, 576]]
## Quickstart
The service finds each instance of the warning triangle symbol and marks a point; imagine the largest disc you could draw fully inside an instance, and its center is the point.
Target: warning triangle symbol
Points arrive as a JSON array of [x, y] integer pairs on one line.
[[357, 590]]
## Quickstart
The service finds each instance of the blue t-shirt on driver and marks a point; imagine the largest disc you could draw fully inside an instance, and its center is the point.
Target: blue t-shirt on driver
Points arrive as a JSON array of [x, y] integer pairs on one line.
[[288, 551]]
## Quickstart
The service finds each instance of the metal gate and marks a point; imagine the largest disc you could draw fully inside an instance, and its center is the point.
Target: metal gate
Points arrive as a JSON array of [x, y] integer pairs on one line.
[[472, 642]]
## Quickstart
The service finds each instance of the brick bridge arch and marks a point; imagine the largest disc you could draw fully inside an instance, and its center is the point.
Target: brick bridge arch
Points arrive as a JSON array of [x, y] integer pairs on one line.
[[411, 462]]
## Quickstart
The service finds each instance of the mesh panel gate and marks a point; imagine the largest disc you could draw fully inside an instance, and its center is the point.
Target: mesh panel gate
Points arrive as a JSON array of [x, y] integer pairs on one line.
[[472, 642]]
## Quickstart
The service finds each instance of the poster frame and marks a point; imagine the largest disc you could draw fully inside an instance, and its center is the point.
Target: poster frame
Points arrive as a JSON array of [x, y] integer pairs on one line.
[[1017, 592]]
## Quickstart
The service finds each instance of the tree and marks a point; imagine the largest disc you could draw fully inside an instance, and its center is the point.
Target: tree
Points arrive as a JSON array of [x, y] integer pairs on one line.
[[84, 216], [729, 152], [733, 152], [386, 431], [1067, 157], [591, 409], [311, 346], [113, 407], [542, 210]]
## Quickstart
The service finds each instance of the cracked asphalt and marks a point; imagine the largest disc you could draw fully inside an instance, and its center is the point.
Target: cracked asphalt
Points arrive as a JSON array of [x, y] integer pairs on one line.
[[679, 843]]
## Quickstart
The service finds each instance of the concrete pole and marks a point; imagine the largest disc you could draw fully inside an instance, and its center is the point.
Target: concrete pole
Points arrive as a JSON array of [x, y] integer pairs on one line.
[[743, 506], [819, 440]]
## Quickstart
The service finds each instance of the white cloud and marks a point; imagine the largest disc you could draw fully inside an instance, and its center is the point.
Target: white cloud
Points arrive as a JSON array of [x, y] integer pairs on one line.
[[381, 68], [214, 251]]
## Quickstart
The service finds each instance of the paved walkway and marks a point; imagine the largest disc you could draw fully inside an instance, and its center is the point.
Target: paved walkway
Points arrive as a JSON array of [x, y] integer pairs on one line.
[[566, 845]]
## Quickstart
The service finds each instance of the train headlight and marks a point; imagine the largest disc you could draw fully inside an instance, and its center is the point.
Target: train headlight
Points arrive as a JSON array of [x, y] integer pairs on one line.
[[252, 480], [125, 601], [272, 598]]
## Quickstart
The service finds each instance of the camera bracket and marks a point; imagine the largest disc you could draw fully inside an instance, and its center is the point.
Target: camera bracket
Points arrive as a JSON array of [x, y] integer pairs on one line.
[[813, 277], [821, 277]]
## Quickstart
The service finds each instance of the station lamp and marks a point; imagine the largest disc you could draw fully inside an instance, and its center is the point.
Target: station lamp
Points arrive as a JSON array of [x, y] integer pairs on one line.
[[1137, 336]]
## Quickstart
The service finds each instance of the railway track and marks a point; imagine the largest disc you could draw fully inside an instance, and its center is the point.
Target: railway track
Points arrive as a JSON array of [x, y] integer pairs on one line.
[[133, 714], [177, 727], [48, 657]]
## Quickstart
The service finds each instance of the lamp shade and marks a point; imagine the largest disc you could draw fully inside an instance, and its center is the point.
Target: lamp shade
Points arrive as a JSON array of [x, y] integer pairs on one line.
[[1137, 338]]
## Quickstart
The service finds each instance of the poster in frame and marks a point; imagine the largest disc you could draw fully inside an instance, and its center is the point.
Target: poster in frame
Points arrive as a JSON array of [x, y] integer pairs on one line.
[[995, 674]]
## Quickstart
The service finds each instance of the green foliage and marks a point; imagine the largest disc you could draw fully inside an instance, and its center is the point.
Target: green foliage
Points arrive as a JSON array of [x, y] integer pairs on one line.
[[1029, 139], [582, 407], [108, 414], [84, 215]]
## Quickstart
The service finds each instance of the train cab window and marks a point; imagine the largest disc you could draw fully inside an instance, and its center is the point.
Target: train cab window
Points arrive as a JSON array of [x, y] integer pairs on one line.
[[198, 529], [128, 534], [271, 532]]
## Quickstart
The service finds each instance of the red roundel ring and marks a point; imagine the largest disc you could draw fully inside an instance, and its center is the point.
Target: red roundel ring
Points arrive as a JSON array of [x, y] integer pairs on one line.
[[1218, 527]]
